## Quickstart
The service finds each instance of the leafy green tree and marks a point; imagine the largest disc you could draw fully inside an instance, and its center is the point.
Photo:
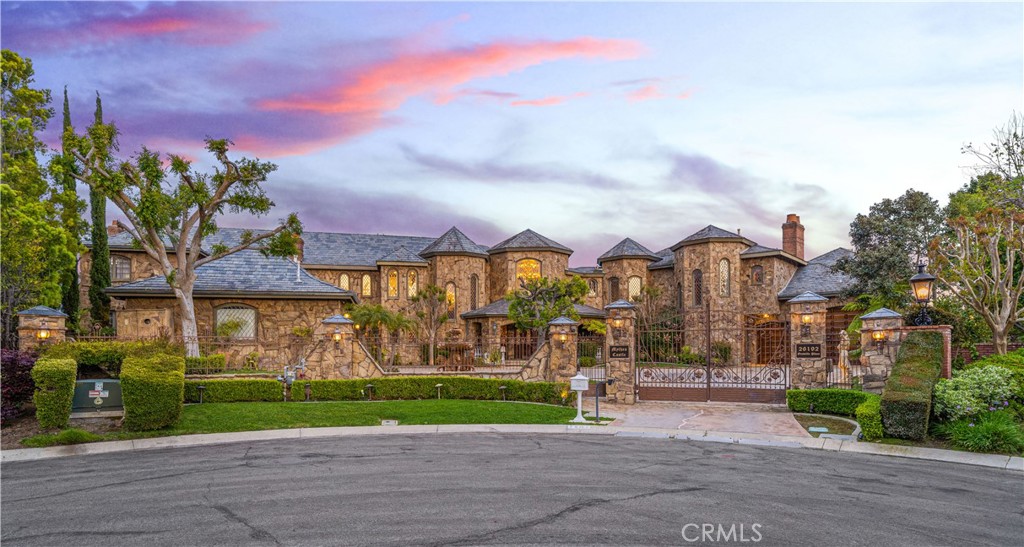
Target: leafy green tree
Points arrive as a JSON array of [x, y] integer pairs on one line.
[[888, 244], [171, 209], [542, 299], [99, 270], [431, 314], [26, 112]]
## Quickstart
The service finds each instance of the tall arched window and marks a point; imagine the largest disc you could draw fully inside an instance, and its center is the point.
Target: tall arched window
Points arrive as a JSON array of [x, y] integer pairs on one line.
[[527, 268], [634, 285], [411, 283], [724, 278], [235, 321], [449, 298], [367, 285], [473, 288], [393, 284], [343, 282], [613, 289], [120, 268], [679, 296], [757, 275], [698, 288]]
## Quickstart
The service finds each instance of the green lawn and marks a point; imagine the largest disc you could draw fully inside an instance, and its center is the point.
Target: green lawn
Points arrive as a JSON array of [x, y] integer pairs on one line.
[[228, 417]]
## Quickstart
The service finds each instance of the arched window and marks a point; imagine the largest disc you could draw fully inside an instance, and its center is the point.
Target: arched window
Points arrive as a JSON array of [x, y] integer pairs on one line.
[[473, 286], [449, 298], [679, 296], [613, 289], [393, 284], [698, 288], [527, 268], [757, 275], [120, 268], [235, 321], [412, 285], [634, 285], [593, 287], [724, 278], [367, 289], [343, 282]]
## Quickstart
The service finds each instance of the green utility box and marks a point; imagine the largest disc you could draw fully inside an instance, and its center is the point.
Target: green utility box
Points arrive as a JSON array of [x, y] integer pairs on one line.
[[104, 394]]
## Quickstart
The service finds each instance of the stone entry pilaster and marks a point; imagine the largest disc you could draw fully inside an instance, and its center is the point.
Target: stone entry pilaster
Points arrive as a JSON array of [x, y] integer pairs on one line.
[[621, 333], [40, 326], [881, 335], [807, 332]]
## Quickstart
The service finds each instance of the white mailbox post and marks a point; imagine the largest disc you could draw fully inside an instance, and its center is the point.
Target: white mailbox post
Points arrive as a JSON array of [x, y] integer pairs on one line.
[[579, 384]]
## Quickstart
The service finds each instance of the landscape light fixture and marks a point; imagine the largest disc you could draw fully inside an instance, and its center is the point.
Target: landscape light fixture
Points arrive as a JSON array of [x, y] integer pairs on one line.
[[921, 285]]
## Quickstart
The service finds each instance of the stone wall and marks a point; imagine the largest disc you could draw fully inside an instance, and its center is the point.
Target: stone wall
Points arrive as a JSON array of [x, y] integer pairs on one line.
[[501, 276], [763, 298], [808, 372], [459, 269], [623, 269], [621, 370], [143, 267], [664, 280], [597, 298]]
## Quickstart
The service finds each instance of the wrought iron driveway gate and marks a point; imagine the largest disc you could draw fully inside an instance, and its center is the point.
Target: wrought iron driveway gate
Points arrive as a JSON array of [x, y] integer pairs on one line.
[[714, 355]]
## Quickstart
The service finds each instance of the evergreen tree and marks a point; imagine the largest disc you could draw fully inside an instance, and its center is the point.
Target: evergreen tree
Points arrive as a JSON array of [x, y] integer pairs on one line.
[[99, 272], [71, 216]]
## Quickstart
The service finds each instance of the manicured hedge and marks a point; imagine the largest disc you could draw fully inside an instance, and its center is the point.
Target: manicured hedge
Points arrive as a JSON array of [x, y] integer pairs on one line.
[[423, 387], [153, 390], [842, 402], [907, 398], [55, 390], [109, 355], [233, 391], [207, 364]]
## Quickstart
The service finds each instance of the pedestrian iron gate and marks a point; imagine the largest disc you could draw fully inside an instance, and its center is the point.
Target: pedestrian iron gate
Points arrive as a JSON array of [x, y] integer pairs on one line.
[[710, 355]]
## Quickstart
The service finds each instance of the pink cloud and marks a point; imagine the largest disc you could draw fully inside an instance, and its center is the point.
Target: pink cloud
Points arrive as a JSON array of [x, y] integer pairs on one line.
[[386, 86], [548, 101], [444, 98], [645, 93]]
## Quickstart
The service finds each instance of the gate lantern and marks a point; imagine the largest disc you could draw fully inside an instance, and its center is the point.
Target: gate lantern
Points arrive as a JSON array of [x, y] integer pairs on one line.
[[921, 283]]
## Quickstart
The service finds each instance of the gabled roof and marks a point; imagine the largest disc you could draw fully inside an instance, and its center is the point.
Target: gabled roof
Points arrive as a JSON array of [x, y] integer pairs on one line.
[[666, 259], [528, 240], [627, 248], [711, 233], [401, 255], [453, 242], [760, 251], [499, 308], [817, 276], [245, 273], [43, 311]]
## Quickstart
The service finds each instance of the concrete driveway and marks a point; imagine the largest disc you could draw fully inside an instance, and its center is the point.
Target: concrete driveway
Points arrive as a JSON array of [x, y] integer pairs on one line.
[[722, 417]]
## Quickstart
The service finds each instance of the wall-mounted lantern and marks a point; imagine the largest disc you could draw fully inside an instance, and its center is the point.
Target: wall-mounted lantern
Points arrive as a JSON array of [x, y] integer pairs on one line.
[[617, 320], [341, 329], [560, 328], [880, 337], [921, 285], [806, 319], [43, 333], [336, 336]]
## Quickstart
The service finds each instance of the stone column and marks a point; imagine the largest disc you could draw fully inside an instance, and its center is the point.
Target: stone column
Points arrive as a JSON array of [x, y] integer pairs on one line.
[[807, 334], [881, 333], [562, 337], [621, 365], [335, 351], [40, 326]]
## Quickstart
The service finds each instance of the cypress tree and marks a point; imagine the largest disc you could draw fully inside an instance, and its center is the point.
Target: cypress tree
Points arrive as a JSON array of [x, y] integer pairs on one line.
[[71, 216], [99, 272]]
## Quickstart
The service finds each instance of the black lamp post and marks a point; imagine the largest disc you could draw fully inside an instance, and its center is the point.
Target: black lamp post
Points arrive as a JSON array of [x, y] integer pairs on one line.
[[921, 284]]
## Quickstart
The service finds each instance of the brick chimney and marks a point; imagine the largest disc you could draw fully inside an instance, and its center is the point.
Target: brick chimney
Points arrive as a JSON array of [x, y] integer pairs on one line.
[[793, 236], [114, 228]]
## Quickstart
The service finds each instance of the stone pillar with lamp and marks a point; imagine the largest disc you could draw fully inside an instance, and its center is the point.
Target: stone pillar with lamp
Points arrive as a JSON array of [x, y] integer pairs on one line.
[[620, 352], [880, 336], [563, 339], [807, 314], [40, 326]]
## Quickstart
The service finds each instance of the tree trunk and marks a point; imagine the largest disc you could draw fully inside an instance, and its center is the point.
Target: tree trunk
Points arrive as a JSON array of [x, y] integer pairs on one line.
[[430, 352], [189, 331], [999, 339]]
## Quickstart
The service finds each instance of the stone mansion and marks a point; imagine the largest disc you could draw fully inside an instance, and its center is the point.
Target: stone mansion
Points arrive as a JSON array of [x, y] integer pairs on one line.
[[266, 298]]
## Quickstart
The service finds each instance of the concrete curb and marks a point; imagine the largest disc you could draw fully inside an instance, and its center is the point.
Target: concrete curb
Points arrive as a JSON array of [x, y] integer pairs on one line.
[[1011, 463]]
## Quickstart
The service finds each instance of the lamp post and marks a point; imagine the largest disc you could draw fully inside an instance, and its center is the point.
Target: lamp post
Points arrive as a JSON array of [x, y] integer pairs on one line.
[[921, 284]]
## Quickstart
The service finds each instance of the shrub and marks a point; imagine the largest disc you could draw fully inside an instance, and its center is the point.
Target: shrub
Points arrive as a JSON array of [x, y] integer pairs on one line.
[[55, 390], [153, 391], [108, 355], [865, 407], [721, 351], [207, 364], [1013, 362], [588, 362], [973, 391], [423, 387], [907, 398], [15, 381], [234, 391], [989, 432]]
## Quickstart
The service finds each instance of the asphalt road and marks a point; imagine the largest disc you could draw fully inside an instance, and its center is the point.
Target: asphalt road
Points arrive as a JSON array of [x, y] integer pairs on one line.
[[472, 489]]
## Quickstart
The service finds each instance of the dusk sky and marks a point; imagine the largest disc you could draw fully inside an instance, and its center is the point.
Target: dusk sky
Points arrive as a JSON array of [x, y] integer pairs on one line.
[[587, 122]]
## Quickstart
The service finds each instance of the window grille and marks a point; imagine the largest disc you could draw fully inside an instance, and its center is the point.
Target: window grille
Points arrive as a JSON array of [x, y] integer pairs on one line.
[[120, 268], [527, 268], [698, 288], [449, 298], [367, 285], [473, 286], [343, 282], [393, 284], [724, 278], [412, 284], [634, 286], [235, 321]]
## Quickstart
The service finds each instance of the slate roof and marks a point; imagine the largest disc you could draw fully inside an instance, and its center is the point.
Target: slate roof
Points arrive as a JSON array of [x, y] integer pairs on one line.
[[529, 240], [818, 277], [245, 273], [43, 311], [882, 313], [666, 259], [499, 308], [401, 255], [620, 304], [807, 297], [453, 242], [585, 270], [121, 242], [627, 248], [756, 249], [710, 232]]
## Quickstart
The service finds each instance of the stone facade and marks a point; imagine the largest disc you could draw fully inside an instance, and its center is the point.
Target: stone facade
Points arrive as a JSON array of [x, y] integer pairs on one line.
[[502, 269]]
